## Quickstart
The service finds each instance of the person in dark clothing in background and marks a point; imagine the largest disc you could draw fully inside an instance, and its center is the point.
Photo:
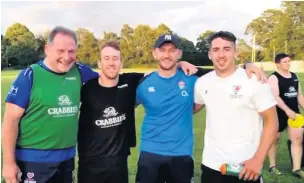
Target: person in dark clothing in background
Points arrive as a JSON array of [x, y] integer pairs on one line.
[[286, 88]]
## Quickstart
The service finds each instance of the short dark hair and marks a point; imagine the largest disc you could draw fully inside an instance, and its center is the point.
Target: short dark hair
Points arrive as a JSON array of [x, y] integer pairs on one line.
[[112, 44], [228, 36], [279, 57]]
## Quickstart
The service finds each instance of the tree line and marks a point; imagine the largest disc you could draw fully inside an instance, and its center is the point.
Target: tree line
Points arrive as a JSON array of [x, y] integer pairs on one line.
[[274, 31]]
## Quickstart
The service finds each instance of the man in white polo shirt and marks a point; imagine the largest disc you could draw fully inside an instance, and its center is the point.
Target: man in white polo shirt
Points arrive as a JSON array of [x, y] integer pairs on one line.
[[237, 108]]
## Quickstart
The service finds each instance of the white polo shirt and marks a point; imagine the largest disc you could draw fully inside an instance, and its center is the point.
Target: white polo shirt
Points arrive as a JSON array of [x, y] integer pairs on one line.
[[233, 123]]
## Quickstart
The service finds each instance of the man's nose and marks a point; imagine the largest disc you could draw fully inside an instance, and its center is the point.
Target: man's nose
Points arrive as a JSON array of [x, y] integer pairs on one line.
[[221, 53], [66, 56]]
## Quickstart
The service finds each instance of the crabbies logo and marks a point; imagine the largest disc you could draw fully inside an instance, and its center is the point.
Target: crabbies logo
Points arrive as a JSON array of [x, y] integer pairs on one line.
[[292, 89], [236, 91], [292, 92], [110, 117], [64, 100], [110, 112], [65, 107]]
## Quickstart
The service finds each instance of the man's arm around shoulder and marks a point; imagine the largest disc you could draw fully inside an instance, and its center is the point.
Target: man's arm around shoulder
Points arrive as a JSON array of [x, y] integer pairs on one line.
[[87, 73]]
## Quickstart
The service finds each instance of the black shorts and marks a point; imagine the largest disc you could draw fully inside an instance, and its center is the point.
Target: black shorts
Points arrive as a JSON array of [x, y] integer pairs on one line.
[[153, 168], [47, 172], [212, 176], [103, 170], [282, 121]]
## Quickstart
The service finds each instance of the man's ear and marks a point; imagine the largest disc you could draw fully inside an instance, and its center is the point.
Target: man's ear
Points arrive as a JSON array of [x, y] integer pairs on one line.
[[180, 54], [209, 56], [99, 64], [46, 49], [154, 54], [237, 53]]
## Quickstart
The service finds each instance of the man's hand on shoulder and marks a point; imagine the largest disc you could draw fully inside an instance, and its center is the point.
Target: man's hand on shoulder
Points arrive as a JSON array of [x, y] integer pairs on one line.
[[189, 69], [253, 69]]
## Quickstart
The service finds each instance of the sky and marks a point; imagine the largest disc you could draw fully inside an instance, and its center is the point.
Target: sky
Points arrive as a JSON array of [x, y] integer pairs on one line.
[[188, 19]]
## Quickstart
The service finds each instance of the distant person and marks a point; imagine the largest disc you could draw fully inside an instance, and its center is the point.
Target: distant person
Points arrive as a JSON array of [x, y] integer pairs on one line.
[[167, 96], [236, 107], [286, 87]]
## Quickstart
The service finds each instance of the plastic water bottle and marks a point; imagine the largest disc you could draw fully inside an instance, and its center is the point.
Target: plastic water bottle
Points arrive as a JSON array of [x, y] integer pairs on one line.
[[231, 169]]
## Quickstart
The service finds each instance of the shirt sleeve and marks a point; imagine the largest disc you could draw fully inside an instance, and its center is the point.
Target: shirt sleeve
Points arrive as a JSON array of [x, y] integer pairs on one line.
[[198, 98], [86, 72], [20, 91], [138, 97], [263, 98], [82, 93], [135, 78]]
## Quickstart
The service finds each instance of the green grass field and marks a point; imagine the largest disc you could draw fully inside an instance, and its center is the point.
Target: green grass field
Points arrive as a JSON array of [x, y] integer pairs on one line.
[[283, 161]]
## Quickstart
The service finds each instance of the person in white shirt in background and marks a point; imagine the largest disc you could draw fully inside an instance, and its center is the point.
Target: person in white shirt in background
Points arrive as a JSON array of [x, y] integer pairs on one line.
[[241, 117]]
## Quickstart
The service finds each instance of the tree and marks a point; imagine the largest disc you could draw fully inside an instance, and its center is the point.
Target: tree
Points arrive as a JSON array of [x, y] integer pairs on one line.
[[127, 45], [88, 50], [111, 36], [144, 38], [244, 51], [263, 29], [162, 29], [20, 34], [23, 45], [4, 45], [280, 30], [41, 42], [202, 47], [189, 50], [292, 27], [20, 54], [202, 44]]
